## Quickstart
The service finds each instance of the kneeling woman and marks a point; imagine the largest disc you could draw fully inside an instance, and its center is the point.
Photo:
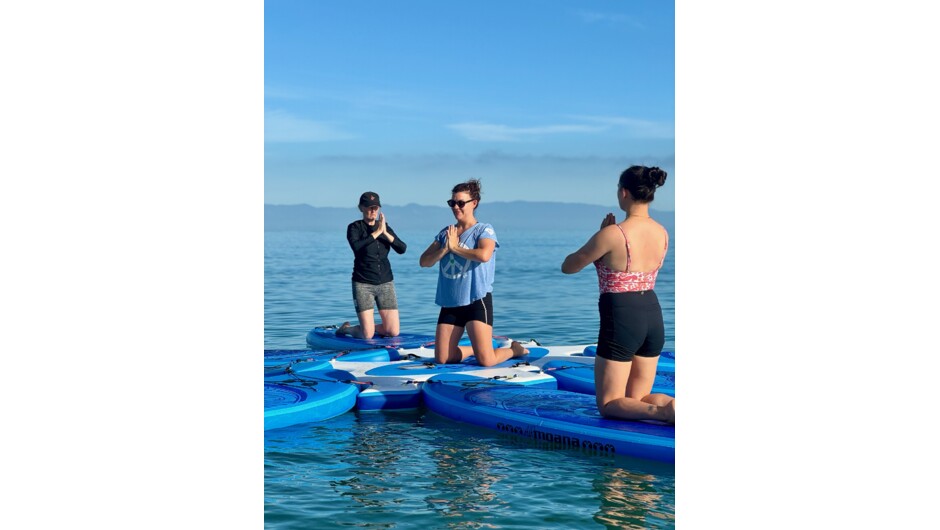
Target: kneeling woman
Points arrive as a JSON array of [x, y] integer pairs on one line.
[[370, 239], [466, 252], [628, 256]]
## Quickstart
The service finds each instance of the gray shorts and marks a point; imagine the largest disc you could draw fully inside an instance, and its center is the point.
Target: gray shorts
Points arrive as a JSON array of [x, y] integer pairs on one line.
[[366, 296]]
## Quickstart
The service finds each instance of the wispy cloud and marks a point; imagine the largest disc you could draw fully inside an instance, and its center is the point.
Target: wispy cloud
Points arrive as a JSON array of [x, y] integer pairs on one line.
[[494, 132], [280, 126], [635, 127], [441, 161], [356, 97], [596, 17]]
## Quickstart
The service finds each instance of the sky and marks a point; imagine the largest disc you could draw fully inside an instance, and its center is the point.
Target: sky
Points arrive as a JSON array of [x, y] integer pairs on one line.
[[134, 159], [542, 100]]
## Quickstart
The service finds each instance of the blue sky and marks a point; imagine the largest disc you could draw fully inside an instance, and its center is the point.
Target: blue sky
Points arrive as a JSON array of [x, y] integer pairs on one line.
[[133, 141], [541, 100]]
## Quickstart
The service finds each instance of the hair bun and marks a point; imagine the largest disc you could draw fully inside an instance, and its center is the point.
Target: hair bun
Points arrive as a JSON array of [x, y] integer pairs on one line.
[[657, 176], [475, 186]]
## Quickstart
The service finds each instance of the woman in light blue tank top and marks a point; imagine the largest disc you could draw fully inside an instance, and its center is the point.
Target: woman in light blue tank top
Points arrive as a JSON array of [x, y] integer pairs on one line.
[[466, 252]]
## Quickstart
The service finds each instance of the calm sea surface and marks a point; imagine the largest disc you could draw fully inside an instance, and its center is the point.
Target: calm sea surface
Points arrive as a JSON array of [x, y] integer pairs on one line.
[[414, 469]]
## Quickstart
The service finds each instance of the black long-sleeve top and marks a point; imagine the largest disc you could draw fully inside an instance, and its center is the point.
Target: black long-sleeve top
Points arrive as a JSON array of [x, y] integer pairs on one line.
[[371, 263]]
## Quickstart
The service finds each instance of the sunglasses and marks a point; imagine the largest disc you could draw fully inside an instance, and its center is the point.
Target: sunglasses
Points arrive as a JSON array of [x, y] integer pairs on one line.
[[461, 204]]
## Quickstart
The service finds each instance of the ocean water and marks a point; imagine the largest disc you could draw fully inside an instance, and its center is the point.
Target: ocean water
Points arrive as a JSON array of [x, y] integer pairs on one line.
[[414, 469]]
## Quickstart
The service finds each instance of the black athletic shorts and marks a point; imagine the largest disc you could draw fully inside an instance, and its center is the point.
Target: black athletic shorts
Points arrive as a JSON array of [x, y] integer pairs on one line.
[[481, 310], [631, 324]]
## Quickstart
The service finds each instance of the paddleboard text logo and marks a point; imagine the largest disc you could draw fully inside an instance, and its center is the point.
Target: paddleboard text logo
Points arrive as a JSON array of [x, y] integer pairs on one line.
[[570, 442]]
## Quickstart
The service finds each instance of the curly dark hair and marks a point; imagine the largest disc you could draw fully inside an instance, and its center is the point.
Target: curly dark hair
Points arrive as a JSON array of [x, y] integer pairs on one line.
[[471, 186], [642, 181]]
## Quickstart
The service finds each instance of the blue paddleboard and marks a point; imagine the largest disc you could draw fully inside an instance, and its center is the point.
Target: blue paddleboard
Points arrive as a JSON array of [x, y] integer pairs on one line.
[[324, 338], [312, 365], [288, 404], [559, 418], [394, 393], [397, 385], [579, 377], [428, 368], [278, 357]]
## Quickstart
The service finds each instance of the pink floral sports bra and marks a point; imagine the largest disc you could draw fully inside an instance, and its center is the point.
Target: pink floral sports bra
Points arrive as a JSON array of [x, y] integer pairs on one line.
[[611, 281]]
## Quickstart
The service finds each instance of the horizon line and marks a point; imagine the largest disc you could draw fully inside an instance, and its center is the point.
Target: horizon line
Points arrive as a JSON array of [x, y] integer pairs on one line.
[[445, 207]]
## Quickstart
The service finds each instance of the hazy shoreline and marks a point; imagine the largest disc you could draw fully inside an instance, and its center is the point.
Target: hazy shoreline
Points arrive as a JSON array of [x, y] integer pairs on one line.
[[514, 214]]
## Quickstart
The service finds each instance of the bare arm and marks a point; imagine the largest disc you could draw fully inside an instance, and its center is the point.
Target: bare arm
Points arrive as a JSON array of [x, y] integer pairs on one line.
[[483, 252], [593, 250], [432, 255]]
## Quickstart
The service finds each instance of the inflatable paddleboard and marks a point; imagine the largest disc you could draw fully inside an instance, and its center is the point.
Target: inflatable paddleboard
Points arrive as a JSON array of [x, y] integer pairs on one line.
[[426, 353], [278, 357], [397, 385], [278, 362], [324, 338], [395, 393], [558, 418], [428, 366], [309, 373], [311, 365], [288, 404], [579, 377]]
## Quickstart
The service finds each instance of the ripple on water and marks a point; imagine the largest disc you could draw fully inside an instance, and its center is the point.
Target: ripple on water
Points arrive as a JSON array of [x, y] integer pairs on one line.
[[413, 469], [417, 470]]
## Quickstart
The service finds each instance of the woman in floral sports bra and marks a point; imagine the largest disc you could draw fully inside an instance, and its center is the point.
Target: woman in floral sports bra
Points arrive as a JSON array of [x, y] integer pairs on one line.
[[628, 256]]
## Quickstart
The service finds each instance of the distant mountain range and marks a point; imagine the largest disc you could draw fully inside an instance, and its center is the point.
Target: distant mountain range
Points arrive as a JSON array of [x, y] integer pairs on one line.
[[512, 215]]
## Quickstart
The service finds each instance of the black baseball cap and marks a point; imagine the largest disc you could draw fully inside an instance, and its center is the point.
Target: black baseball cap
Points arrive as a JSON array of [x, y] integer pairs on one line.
[[369, 198]]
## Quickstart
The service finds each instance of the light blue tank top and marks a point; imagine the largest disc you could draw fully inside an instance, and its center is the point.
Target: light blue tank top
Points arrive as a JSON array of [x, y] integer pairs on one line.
[[461, 281]]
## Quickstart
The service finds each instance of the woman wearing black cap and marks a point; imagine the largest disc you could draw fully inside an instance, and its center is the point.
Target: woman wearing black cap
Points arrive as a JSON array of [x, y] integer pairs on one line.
[[370, 239]]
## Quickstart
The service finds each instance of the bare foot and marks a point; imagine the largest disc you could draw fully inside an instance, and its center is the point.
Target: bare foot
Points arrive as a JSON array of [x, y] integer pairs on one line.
[[518, 350], [343, 330], [670, 412]]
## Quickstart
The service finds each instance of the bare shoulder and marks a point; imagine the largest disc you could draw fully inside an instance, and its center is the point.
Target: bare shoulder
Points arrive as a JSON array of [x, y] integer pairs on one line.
[[608, 236], [659, 232], [661, 227], [609, 230], [648, 229]]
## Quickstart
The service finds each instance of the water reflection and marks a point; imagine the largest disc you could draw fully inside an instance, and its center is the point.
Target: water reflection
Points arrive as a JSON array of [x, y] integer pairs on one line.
[[634, 499], [416, 470], [465, 477], [374, 479], [406, 470]]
